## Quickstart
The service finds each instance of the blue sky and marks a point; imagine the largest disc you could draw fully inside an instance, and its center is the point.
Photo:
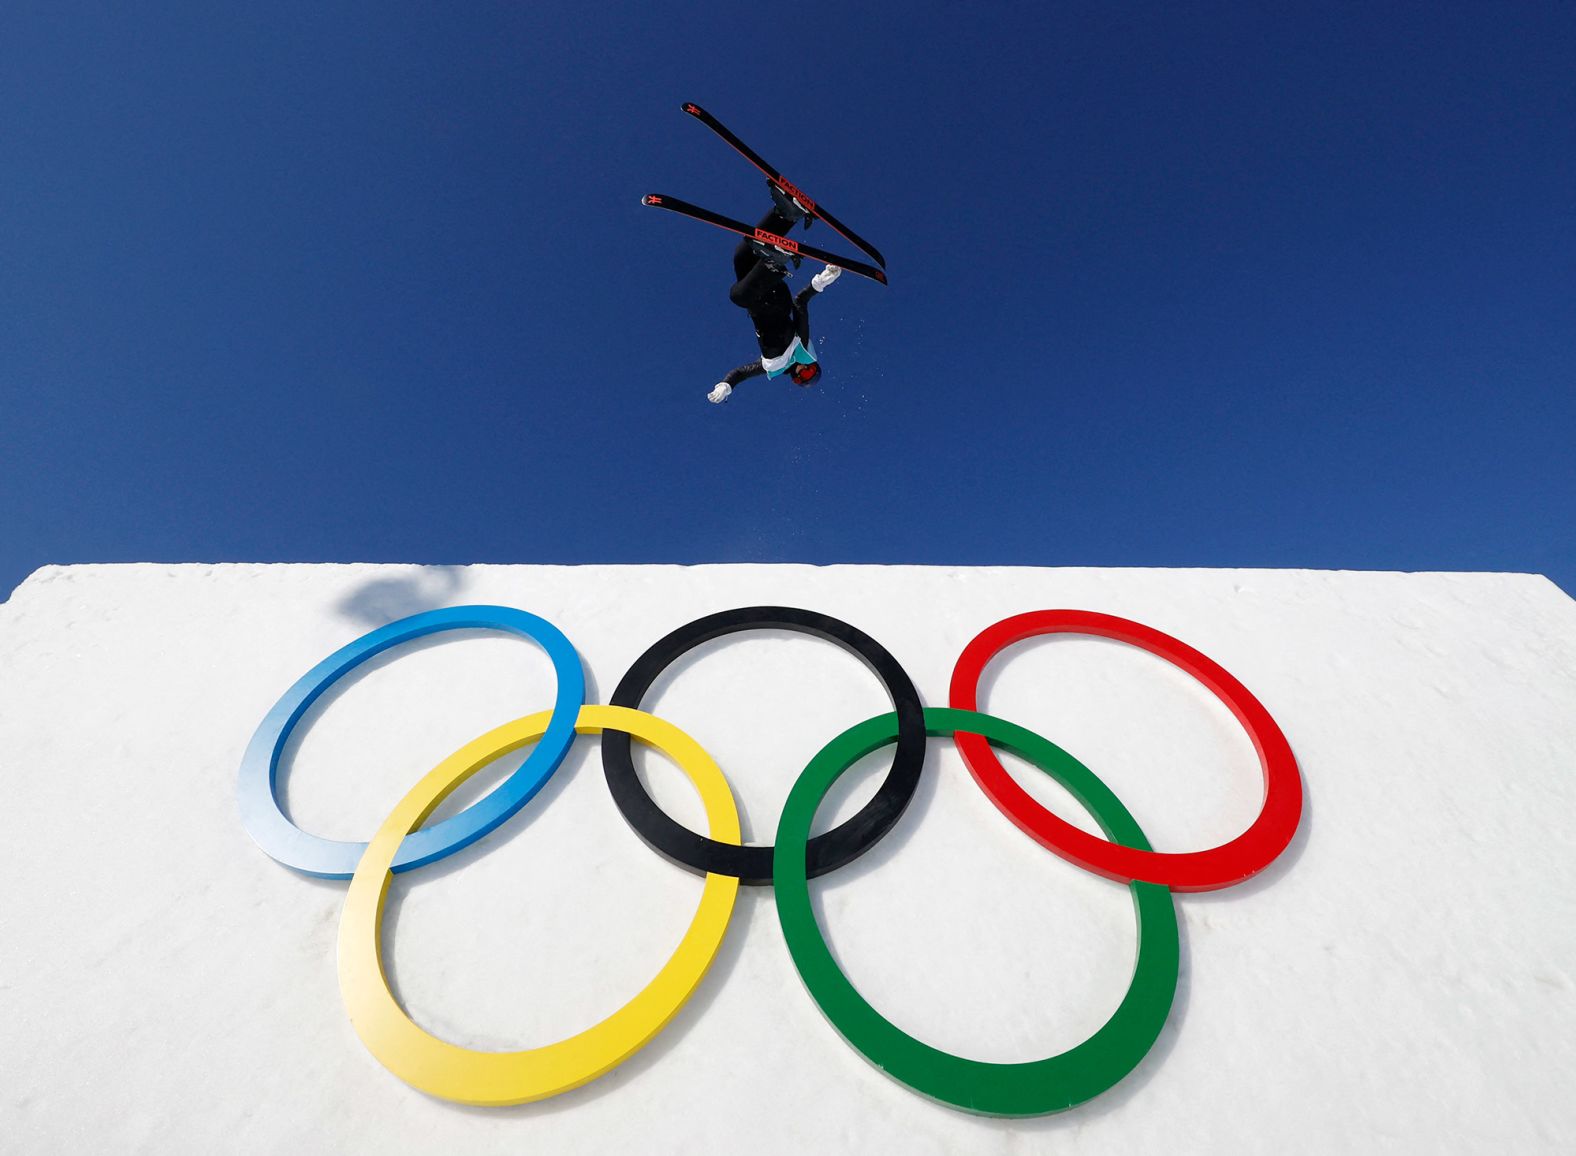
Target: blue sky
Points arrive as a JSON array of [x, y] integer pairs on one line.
[[1201, 286]]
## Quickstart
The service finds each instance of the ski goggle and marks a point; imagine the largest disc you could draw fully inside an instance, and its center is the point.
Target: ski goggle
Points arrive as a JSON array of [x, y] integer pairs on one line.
[[803, 374]]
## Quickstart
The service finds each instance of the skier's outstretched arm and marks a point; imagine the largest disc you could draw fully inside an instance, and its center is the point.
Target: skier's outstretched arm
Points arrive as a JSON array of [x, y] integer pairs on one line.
[[743, 373], [801, 303]]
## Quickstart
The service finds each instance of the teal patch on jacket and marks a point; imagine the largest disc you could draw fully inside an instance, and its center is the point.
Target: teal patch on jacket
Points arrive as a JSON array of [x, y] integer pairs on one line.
[[801, 356]]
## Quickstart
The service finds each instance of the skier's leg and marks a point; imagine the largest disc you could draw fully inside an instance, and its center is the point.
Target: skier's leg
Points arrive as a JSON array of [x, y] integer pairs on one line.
[[751, 291], [755, 279], [744, 256], [744, 259]]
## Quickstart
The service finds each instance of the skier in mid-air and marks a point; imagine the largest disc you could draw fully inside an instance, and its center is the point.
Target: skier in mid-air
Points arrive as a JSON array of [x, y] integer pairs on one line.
[[782, 321]]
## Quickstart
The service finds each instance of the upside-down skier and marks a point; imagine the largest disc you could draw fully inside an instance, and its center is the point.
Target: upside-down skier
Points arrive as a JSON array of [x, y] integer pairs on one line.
[[782, 321]]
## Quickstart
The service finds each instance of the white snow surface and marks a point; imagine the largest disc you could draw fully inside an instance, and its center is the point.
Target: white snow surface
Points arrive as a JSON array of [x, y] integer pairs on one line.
[[1401, 979]]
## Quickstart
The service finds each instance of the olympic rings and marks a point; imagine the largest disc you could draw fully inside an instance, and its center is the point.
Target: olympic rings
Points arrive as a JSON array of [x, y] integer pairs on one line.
[[1029, 1089], [1048, 1085], [494, 1078], [334, 859], [1217, 867], [753, 865]]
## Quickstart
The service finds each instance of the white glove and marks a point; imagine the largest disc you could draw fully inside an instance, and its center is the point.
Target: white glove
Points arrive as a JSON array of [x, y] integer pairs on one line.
[[825, 277], [720, 394]]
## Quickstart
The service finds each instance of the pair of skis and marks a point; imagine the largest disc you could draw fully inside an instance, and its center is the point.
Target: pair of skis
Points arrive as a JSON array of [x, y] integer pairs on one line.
[[876, 272]]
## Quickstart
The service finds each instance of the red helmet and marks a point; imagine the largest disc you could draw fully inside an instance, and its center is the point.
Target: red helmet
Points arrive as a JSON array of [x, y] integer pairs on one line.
[[805, 374]]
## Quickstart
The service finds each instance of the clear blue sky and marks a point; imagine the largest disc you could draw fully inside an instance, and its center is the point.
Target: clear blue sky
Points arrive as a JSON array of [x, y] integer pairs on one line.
[[1193, 285]]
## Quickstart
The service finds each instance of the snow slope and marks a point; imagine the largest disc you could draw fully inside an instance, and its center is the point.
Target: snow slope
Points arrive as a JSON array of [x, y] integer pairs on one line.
[[1401, 979]]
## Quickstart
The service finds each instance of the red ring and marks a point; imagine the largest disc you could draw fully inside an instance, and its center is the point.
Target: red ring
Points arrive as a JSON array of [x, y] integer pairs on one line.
[[1217, 867]]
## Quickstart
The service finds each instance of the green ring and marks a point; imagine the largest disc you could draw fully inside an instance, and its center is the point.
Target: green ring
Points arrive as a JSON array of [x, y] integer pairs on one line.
[[1036, 1088]]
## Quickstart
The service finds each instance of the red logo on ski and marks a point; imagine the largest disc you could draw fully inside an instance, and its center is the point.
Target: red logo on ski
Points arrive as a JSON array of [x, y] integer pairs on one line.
[[792, 190], [773, 239]]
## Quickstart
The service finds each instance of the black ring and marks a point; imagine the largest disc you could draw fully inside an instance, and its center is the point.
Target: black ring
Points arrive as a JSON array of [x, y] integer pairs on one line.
[[753, 864]]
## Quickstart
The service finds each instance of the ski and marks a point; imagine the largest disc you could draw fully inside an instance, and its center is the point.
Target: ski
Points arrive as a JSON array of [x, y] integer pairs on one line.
[[674, 205], [782, 182]]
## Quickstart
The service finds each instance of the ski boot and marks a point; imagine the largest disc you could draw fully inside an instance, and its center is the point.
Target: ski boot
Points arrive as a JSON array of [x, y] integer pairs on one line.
[[775, 258], [788, 206]]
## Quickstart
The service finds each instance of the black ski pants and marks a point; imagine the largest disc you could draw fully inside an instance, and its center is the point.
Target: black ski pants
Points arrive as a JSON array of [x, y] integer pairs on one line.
[[761, 290]]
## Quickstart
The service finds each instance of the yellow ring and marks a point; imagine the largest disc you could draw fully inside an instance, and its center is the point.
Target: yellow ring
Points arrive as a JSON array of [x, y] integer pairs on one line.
[[492, 1078]]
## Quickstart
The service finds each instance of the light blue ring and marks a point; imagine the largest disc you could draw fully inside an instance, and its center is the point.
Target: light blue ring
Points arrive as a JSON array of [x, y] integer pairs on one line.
[[266, 822]]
